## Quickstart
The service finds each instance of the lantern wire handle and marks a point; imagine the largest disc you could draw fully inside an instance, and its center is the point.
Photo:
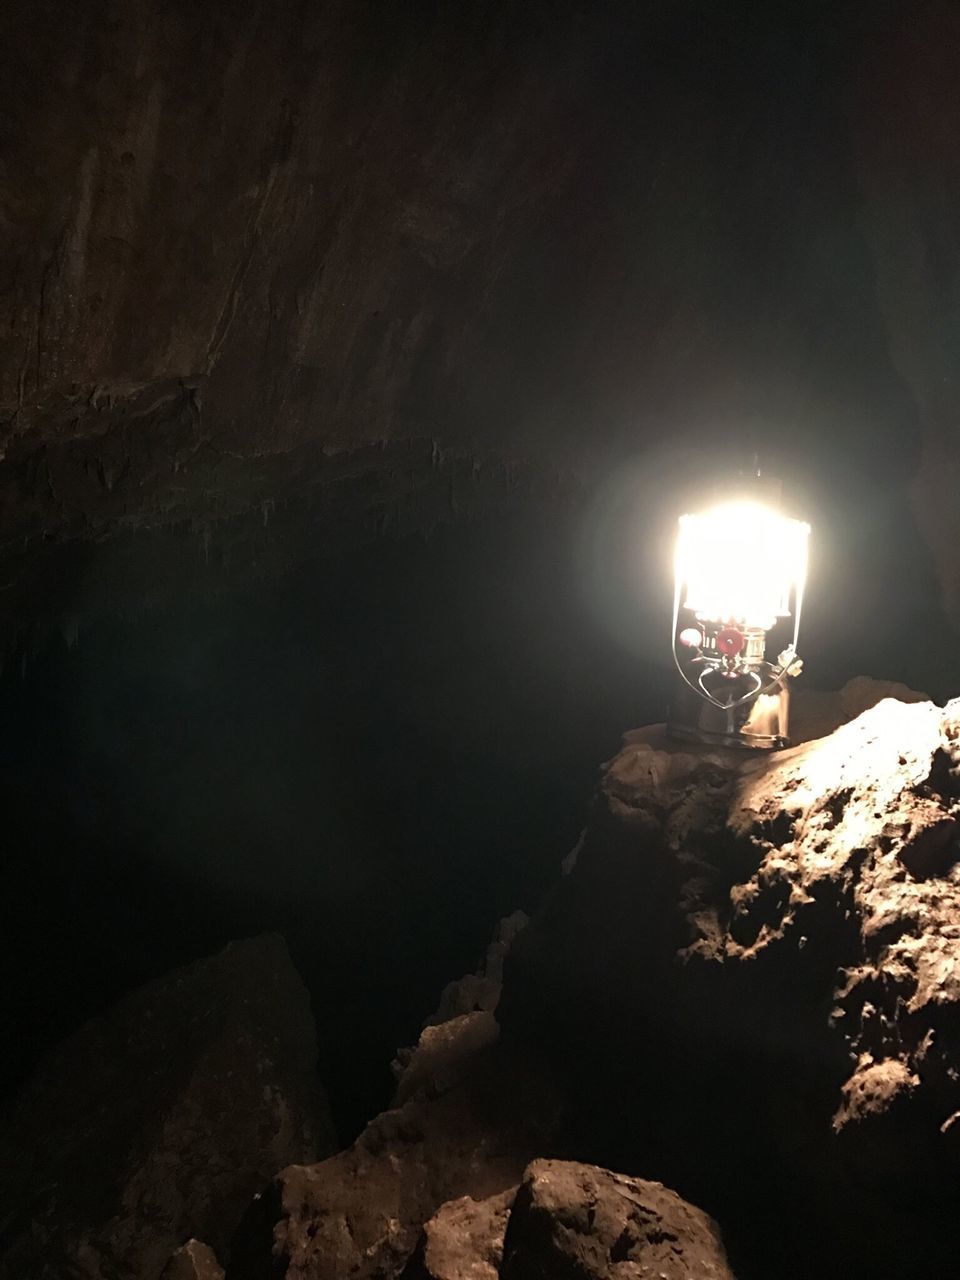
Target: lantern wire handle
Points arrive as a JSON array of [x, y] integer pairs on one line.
[[754, 693]]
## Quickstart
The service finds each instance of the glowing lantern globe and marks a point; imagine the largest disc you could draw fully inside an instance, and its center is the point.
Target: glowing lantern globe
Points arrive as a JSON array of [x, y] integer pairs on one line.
[[739, 572]]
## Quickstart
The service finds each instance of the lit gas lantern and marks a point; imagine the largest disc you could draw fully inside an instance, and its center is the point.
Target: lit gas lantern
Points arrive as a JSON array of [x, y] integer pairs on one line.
[[740, 570]]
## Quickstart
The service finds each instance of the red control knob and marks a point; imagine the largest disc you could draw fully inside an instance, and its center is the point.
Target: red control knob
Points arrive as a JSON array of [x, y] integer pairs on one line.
[[730, 641]]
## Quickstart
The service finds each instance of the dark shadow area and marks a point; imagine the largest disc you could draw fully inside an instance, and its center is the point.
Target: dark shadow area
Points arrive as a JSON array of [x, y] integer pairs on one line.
[[377, 757]]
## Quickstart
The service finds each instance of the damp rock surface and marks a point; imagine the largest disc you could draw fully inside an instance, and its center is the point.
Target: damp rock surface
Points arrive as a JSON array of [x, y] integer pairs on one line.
[[748, 980], [815, 713], [741, 985], [468, 1130], [159, 1120], [740, 994], [570, 1221], [481, 990], [466, 1119], [193, 1261], [463, 1240], [575, 1222]]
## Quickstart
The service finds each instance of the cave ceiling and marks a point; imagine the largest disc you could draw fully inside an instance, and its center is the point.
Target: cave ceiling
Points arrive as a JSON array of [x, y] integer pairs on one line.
[[277, 274]]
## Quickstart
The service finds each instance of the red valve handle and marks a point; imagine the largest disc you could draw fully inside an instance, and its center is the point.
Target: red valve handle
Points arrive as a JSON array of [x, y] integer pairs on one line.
[[730, 641]]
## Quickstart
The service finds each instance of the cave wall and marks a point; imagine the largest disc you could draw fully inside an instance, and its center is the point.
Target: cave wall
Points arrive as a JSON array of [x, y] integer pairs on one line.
[[905, 118], [282, 282], [237, 232], [259, 253]]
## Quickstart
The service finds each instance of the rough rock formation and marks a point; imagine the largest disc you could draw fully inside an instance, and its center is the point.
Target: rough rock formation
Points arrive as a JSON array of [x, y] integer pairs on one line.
[[427, 1191], [193, 1261], [463, 1240], [575, 1222], [814, 713], [870, 824], [161, 1119], [448, 1034], [743, 985], [467, 1119], [481, 991], [748, 978], [570, 1221], [441, 1189]]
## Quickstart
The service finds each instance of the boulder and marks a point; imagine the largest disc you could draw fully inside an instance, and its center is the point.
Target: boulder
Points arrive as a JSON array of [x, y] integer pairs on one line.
[[747, 982], [575, 1222], [159, 1120], [468, 1130], [814, 714], [436, 1062], [570, 1221], [465, 1120], [193, 1261], [474, 993], [463, 1240], [744, 984]]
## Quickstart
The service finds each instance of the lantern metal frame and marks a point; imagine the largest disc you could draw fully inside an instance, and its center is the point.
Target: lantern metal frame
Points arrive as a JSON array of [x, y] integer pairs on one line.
[[727, 692]]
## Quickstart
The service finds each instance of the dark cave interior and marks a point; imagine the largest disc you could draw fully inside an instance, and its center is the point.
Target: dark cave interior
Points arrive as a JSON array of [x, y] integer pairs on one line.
[[375, 756], [357, 361]]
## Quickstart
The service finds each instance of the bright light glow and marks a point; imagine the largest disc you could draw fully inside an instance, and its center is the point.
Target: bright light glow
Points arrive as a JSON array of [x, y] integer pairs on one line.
[[740, 563]]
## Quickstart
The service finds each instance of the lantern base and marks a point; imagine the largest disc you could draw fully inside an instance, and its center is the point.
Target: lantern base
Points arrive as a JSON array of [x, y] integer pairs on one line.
[[759, 724]]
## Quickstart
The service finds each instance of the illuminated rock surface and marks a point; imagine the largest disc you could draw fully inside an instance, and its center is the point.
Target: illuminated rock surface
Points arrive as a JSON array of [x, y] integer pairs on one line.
[[193, 1261], [749, 977], [469, 1128], [744, 985], [431, 1188], [572, 1220], [814, 714], [160, 1120], [463, 1240]]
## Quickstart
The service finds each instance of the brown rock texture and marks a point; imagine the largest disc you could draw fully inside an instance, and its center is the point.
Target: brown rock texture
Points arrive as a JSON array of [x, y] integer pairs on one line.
[[570, 1221], [744, 984], [468, 1131], [465, 1120], [814, 713], [481, 990], [161, 1119], [193, 1261], [463, 1240], [870, 821], [748, 977], [575, 1222]]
